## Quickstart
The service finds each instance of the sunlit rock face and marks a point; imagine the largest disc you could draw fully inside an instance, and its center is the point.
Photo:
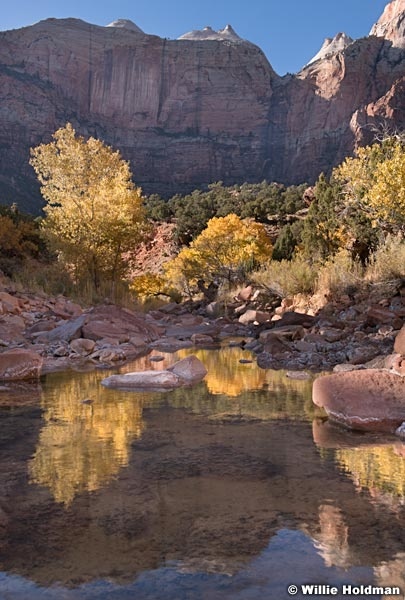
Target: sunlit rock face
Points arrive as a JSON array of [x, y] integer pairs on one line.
[[207, 107], [391, 24], [125, 24], [227, 33], [332, 46]]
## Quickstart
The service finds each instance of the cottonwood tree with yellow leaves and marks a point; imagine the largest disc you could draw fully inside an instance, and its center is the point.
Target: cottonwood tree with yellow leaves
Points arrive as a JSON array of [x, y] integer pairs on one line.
[[223, 252], [375, 180], [93, 211]]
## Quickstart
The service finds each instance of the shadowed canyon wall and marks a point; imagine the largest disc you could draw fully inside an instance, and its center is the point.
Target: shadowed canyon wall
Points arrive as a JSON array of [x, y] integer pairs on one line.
[[192, 111]]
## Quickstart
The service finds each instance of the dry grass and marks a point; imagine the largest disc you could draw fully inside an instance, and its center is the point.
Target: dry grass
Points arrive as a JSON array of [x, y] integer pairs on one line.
[[286, 278], [339, 274], [388, 262]]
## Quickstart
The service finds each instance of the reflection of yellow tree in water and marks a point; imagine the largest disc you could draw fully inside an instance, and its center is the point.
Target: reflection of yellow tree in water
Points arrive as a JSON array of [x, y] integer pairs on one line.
[[83, 445], [244, 389], [226, 375], [377, 468]]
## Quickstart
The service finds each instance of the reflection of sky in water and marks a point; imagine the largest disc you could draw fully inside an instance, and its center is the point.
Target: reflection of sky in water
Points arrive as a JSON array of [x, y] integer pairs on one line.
[[92, 438], [290, 558]]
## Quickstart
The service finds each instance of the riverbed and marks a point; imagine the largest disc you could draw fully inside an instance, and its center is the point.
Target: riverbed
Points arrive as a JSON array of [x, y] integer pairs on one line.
[[235, 488]]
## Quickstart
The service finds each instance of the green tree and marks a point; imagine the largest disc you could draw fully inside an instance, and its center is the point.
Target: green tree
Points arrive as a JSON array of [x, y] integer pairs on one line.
[[93, 211], [20, 240], [285, 244], [322, 231]]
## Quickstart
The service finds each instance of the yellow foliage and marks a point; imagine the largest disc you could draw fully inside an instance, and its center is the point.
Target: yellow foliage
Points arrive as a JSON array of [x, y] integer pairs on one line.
[[94, 212], [227, 246], [376, 178], [375, 468], [152, 284], [148, 284], [81, 446]]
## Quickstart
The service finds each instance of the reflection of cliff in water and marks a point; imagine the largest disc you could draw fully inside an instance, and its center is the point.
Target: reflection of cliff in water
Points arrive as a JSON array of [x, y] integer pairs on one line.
[[211, 484], [202, 493]]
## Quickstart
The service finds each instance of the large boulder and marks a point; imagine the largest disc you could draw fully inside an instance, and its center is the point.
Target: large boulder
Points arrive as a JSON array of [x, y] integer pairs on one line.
[[110, 321], [65, 332], [20, 364], [369, 400], [295, 318]]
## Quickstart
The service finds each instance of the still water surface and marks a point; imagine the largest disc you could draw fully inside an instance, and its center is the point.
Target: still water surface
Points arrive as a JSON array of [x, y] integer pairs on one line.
[[232, 489]]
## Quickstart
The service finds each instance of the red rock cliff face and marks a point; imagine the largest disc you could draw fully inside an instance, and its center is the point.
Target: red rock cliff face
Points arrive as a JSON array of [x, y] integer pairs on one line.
[[185, 113], [189, 112]]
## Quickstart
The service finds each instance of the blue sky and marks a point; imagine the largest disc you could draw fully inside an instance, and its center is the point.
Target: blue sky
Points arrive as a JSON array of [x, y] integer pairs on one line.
[[289, 32]]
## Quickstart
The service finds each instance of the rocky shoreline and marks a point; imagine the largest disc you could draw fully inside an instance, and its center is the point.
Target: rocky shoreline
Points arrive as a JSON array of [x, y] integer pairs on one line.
[[40, 334]]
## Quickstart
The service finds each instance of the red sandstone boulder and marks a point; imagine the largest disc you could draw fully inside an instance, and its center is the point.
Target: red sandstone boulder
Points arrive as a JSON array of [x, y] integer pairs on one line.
[[399, 346], [9, 303], [369, 400], [119, 323], [20, 364], [189, 369]]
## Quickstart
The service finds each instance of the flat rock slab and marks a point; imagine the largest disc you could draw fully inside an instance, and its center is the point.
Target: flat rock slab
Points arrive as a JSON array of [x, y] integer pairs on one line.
[[144, 380], [368, 400], [66, 332], [19, 364], [184, 372]]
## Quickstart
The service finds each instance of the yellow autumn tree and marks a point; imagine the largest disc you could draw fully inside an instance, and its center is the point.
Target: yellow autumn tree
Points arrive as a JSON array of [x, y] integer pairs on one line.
[[224, 251], [93, 211], [375, 179]]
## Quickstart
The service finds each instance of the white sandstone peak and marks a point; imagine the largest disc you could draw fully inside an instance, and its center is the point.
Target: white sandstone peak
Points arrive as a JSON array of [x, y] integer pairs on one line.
[[332, 46], [125, 24], [227, 33]]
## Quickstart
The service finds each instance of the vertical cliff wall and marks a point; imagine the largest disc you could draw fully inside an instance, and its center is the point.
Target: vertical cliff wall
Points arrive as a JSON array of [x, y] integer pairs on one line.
[[188, 112]]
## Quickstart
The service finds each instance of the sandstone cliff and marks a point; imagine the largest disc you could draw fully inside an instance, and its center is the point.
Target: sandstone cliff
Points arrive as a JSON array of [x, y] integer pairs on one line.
[[187, 112]]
